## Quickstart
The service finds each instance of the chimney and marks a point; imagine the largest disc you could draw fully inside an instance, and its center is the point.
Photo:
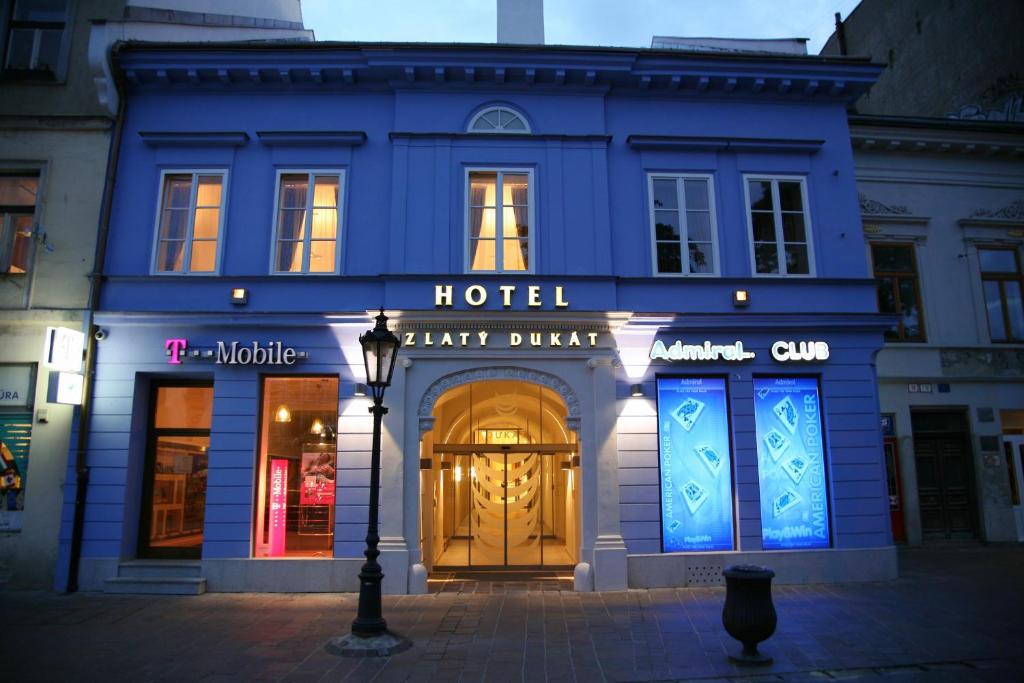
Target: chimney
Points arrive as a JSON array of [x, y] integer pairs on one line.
[[521, 22]]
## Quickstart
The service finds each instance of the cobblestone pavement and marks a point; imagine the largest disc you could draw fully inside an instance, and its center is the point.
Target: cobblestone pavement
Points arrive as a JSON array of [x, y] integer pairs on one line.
[[956, 614]]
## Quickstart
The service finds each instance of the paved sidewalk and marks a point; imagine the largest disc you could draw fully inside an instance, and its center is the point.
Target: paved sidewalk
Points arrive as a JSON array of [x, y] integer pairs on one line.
[[956, 614]]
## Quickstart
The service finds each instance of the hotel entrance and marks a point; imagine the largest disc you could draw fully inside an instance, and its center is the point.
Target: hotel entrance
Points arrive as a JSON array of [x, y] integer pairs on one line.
[[501, 491]]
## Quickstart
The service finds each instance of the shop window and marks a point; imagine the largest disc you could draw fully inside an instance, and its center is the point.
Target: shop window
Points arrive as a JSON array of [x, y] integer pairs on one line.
[[898, 291], [35, 38], [791, 463], [307, 222], [780, 230], [15, 439], [18, 195], [695, 465], [297, 468], [1001, 281], [190, 221], [499, 120], [499, 230], [683, 222]]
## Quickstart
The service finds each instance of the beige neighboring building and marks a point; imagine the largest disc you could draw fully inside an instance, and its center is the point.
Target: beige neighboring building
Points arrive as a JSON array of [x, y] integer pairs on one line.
[[57, 115]]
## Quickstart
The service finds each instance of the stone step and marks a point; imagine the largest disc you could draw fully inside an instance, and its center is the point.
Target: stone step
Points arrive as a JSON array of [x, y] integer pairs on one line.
[[155, 585], [171, 569]]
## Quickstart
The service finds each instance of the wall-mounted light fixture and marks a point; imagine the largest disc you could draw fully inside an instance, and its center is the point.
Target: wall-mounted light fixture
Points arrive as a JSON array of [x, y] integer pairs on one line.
[[636, 389], [360, 389], [282, 414], [239, 296], [740, 297]]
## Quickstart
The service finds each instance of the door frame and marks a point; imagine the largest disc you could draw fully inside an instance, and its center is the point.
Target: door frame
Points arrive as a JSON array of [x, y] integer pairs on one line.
[[966, 439], [143, 549], [1013, 451]]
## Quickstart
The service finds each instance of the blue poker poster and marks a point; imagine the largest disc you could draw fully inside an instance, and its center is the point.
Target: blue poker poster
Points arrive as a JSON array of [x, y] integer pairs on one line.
[[695, 464], [791, 463]]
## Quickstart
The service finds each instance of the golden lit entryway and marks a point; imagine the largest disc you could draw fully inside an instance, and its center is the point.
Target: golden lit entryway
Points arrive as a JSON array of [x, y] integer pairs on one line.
[[499, 480]]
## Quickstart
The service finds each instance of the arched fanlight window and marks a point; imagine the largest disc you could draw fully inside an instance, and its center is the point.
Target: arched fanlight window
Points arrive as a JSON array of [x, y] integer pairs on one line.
[[498, 120]]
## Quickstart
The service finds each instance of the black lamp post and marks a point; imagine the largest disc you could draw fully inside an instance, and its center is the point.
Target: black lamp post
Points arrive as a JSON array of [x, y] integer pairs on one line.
[[370, 635]]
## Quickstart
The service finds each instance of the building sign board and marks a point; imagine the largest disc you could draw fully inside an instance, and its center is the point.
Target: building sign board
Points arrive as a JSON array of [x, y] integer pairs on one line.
[[233, 353], [781, 351], [63, 349], [791, 463], [278, 505], [16, 385], [695, 464], [477, 295]]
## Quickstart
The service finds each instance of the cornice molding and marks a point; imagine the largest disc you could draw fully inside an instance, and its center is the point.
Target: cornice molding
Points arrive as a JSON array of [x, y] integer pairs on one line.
[[193, 138], [312, 138], [698, 143]]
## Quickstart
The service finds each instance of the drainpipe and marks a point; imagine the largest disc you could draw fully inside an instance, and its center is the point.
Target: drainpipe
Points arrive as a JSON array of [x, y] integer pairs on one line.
[[95, 281], [841, 34]]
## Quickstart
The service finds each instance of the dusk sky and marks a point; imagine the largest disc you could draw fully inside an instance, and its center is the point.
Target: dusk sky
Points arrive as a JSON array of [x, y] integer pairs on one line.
[[577, 22]]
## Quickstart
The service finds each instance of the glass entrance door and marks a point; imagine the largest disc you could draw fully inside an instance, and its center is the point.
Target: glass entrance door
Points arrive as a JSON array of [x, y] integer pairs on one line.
[[174, 483], [500, 492]]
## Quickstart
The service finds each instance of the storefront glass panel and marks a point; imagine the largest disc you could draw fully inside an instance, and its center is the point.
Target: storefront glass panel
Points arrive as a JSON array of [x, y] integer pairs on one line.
[[174, 507], [695, 464], [791, 463], [297, 467]]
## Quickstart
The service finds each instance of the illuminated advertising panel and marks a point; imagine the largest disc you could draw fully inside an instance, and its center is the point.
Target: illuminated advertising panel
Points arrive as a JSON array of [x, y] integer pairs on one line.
[[791, 463], [695, 464]]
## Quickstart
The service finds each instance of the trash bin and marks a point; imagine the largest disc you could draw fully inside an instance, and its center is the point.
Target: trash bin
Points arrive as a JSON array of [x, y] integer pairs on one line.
[[749, 615]]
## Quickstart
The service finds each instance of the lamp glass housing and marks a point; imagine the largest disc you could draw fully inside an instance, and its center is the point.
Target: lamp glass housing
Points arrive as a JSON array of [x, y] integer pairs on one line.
[[380, 348]]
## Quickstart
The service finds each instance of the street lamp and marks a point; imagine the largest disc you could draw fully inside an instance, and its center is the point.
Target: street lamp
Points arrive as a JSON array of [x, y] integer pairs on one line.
[[370, 635]]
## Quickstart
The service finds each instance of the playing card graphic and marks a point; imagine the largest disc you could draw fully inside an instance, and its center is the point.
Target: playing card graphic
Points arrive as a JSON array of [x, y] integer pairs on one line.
[[688, 412], [787, 499], [710, 458], [674, 525], [694, 495], [776, 443], [795, 468], [786, 412], [763, 393]]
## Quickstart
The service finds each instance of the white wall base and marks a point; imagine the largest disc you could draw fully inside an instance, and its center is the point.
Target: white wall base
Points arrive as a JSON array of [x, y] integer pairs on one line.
[[610, 569], [267, 575], [790, 566]]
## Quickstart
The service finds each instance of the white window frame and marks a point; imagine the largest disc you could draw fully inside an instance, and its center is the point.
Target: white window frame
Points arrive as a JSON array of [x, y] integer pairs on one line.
[[684, 227], [471, 128], [187, 258], [307, 229], [499, 251], [777, 218]]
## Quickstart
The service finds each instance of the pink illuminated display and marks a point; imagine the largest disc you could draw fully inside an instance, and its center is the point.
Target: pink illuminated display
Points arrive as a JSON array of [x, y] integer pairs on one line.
[[278, 505], [176, 348]]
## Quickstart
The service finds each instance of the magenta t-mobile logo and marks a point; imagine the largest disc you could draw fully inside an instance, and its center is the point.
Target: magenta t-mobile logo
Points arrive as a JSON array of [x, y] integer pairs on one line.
[[175, 347]]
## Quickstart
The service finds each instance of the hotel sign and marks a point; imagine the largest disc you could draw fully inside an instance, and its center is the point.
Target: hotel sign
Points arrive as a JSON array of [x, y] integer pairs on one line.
[[477, 295], [480, 339]]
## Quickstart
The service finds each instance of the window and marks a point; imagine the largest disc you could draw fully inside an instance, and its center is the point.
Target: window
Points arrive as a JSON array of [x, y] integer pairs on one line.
[[779, 226], [898, 293], [499, 240], [683, 222], [190, 222], [498, 120], [1001, 282], [35, 36], [307, 222], [297, 467], [18, 194]]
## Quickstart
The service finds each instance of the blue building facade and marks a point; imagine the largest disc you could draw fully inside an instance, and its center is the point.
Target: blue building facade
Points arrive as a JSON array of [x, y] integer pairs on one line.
[[638, 327]]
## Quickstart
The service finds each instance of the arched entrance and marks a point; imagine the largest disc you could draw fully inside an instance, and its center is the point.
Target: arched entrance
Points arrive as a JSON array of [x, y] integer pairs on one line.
[[500, 479]]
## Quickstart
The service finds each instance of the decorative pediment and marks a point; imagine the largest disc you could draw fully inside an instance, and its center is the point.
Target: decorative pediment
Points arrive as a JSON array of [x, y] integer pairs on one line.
[[1013, 212], [870, 206]]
